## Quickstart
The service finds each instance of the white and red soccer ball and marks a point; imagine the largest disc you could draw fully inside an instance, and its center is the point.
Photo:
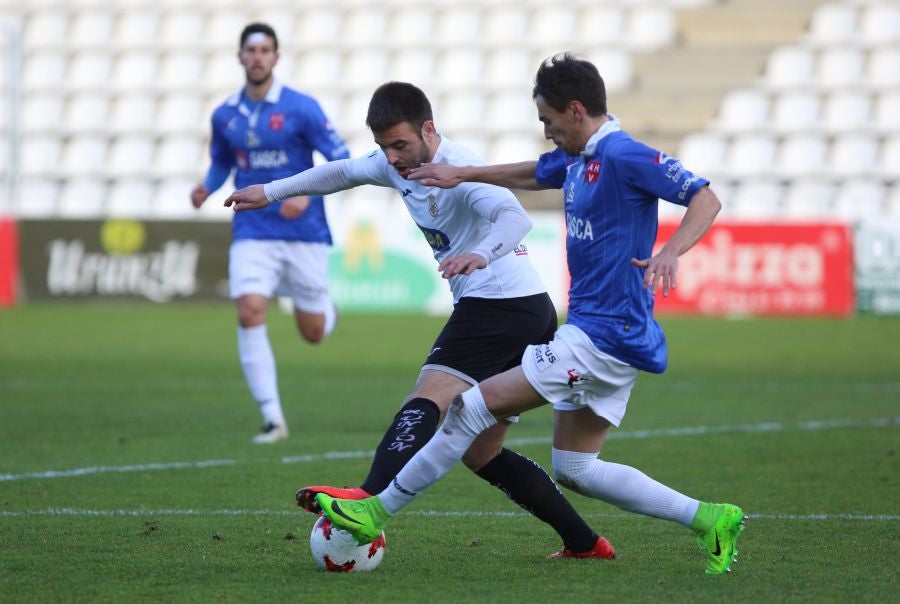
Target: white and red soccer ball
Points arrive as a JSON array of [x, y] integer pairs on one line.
[[337, 551]]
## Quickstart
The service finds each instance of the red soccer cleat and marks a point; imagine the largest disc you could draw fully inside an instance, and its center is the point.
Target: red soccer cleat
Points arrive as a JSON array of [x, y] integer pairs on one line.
[[602, 549], [306, 496]]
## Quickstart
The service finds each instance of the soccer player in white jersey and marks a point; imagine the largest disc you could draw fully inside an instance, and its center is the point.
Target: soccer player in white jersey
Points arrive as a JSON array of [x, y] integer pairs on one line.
[[265, 131], [612, 185], [500, 304]]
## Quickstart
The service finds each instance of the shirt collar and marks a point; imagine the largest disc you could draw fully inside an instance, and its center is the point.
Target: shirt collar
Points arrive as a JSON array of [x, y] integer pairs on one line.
[[271, 97], [610, 126]]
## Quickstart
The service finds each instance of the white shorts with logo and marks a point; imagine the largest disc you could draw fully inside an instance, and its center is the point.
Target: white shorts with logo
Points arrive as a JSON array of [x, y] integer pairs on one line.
[[295, 269], [572, 373]]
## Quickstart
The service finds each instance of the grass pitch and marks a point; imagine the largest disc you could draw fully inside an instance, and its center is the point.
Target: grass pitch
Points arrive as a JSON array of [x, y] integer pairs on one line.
[[127, 472]]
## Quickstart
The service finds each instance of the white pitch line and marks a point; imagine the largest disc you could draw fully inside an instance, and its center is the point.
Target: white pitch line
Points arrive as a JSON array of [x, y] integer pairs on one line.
[[143, 513], [811, 425]]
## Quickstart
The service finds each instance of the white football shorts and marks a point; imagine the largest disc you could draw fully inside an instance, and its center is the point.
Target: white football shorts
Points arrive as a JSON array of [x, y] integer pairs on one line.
[[571, 373], [295, 269]]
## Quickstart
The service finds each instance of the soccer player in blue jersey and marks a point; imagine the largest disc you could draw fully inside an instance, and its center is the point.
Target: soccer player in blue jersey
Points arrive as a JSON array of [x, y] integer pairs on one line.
[[500, 305], [611, 186], [266, 131]]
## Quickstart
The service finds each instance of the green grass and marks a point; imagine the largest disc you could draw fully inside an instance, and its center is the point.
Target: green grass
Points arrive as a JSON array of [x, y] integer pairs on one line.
[[106, 387]]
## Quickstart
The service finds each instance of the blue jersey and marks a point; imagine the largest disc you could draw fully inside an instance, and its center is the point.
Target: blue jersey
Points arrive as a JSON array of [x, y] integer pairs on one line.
[[611, 193], [272, 139]]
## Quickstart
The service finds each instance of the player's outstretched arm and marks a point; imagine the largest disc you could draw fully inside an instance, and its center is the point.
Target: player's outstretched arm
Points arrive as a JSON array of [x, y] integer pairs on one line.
[[661, 268], [323, 179], [515, 176]]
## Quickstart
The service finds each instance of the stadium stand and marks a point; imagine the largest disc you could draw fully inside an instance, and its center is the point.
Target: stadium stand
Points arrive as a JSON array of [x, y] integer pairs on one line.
[[111, 101]]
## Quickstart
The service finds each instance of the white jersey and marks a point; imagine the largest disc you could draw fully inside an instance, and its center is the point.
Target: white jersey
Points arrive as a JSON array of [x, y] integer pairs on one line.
[[454, 221]]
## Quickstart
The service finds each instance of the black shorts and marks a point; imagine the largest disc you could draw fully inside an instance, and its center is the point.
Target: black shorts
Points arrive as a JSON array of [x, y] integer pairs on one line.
[[486, 336]]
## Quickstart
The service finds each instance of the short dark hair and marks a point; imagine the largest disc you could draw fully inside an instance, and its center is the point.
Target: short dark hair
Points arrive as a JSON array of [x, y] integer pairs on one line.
[[396, 102], [564, 78], [258, 28]]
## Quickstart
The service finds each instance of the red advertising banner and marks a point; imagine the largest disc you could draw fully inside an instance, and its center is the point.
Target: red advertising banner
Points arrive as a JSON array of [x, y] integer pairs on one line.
[[9, 261], [764, 269]]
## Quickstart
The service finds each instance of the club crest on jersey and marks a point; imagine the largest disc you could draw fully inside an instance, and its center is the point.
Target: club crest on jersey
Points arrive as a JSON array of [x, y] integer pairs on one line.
[[276, 121], [592, 172], [432, 205], [252, 139]]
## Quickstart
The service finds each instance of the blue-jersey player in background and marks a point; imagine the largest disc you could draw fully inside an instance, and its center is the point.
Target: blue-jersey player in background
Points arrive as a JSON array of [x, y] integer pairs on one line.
[[611, 186], [263, 132]]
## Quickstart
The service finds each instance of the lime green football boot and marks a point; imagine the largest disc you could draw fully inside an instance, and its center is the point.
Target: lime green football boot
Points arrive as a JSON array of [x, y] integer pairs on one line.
[[362, 518], [720, 540]]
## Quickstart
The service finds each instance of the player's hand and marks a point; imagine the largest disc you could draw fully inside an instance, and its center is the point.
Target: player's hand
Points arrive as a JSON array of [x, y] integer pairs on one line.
[[248, 198], [659, 270], [436, 175], [293, 207], [198, 195], [465, 264]]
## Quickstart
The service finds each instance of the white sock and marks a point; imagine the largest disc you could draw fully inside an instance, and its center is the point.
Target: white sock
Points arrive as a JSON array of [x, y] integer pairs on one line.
[[330, 319], [441, 453], [622, 486], [258, 363]]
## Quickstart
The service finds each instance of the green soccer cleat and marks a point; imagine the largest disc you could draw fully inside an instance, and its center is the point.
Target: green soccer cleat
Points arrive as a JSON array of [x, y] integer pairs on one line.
[[364, 519], [720, 540]]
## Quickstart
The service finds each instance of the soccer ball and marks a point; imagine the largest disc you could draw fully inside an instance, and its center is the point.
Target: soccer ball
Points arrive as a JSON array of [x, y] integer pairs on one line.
[[337, 551]]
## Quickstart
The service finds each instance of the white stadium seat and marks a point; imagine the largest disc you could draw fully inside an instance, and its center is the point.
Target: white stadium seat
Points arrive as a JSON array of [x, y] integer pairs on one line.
[[859, 199], [880, 23], [37, 198], [458, 24], [503, 24], [180, 28], [131, 154], [833, 23], [178, 154], [840, 66], [222, 29], [42, 112], [133, 112], [889, 162], [796, 110], [91, 28], [602, 24], [509, 66], [137, 27], [752, 154], [413, 24], [649, 27], [613, 64], [182, 69], [319, 68], [89, 69], [511, 148], [366, 25], [44, 70], [757, 198], [181, 111], [461, 111], [887, 111], [790, 67], [320, 24], [552, 24], [463, 66], [221, 71], [130, 198], [809, 198], [853, 155], [511, 110], [135, 69], [84, 154], [172, 198], [883, 69], [847, 110], [365, 68], [743, 109], [703, 153], [892, 201], [802, 155], [83, 197], [45, 28], [40, 154], [87, 111]]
